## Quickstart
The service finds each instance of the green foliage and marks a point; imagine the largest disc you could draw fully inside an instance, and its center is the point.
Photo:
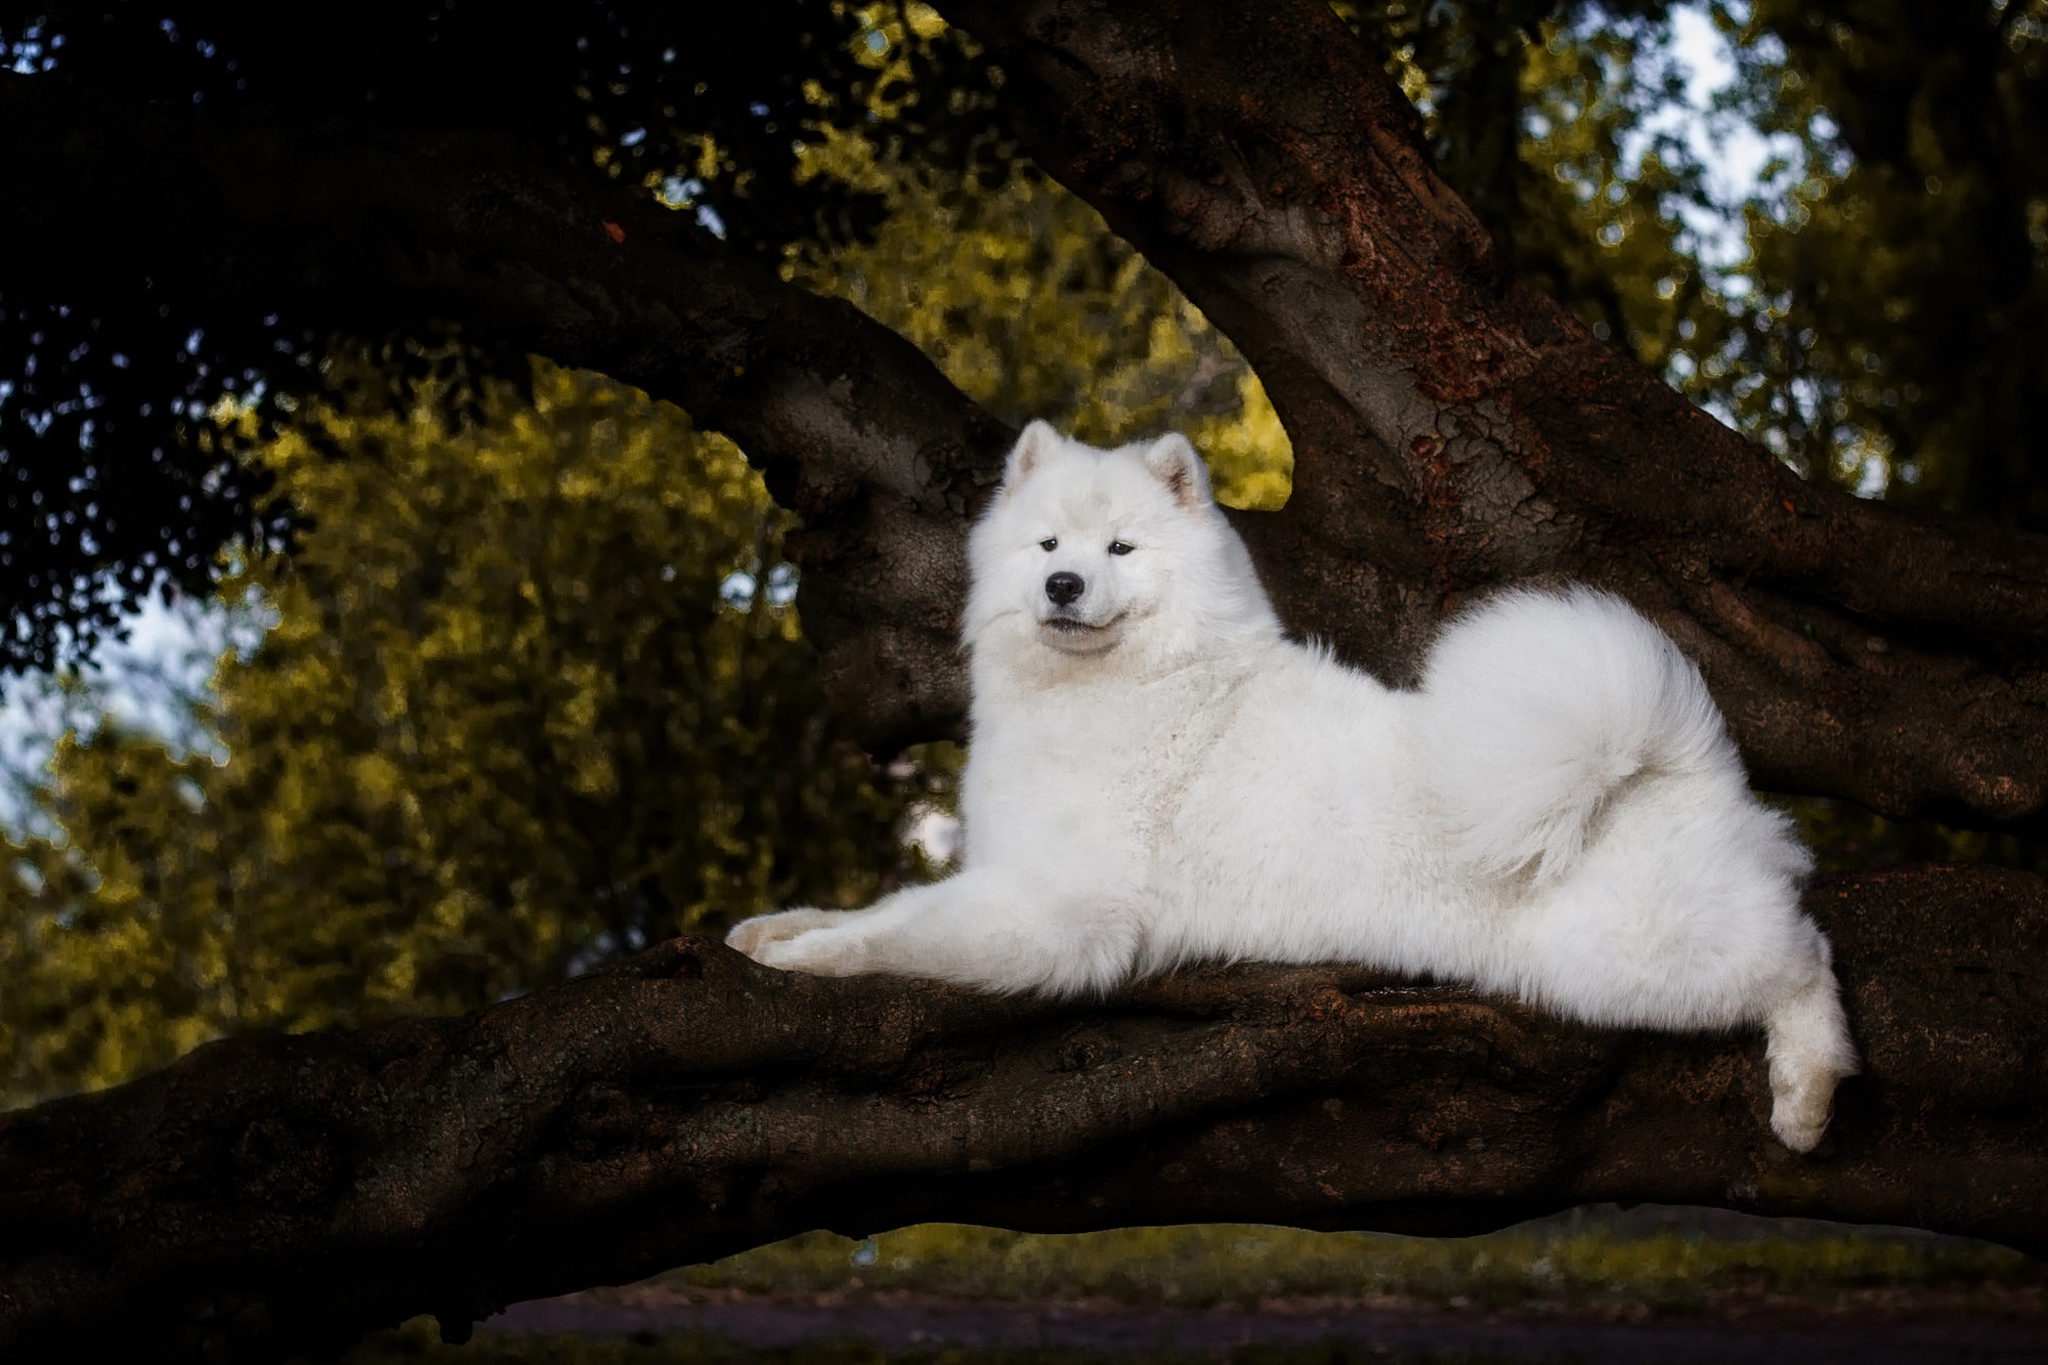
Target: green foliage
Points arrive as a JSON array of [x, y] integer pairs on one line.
[[108, 364], [1901, 314], [1028, 302], [533, 695], [1888, 328]]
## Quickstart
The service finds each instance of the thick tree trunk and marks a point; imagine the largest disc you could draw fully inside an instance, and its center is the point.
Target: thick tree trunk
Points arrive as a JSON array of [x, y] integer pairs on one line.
[[1453, 429], [267, 1196]]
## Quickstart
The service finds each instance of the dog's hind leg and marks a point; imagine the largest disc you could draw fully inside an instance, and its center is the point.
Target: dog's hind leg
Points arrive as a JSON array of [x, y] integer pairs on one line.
[[1634, 943], [1809, 1053]]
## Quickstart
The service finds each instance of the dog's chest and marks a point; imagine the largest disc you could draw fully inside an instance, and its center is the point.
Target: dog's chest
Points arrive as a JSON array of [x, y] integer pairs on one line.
[[1108, 764]]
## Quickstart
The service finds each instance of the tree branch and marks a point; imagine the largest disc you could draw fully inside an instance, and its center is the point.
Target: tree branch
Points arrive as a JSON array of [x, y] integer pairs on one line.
[[268, 1196], [355, 228], [1453, 428], [263, 1197]]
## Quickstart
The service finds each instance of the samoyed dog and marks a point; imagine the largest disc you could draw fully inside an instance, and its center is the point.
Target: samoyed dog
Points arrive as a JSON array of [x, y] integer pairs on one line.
[[1158, 776]]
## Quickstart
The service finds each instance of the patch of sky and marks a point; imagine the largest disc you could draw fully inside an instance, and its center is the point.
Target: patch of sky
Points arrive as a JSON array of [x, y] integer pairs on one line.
[[1708, 123], [30, 52], [936, 833], [680, 192], [1743, 166], [158, 681], [743, 587]]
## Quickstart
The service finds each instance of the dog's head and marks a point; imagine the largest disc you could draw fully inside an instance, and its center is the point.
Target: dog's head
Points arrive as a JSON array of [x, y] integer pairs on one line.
[[1086, 551]]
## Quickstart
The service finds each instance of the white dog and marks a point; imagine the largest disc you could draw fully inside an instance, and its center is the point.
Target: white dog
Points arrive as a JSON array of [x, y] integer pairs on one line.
[[1158, 776]]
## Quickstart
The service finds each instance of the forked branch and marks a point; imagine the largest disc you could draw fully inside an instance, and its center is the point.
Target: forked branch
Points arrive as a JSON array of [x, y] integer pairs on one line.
[[1453, 428]]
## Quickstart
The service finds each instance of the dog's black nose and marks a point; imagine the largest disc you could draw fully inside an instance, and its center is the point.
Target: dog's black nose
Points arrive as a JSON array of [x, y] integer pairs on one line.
[[1064, 587]]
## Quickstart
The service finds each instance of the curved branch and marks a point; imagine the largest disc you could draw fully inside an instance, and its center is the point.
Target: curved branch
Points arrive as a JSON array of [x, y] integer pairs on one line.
[[350, 227], [269, 1196], [264, 1197], [1453, 428]]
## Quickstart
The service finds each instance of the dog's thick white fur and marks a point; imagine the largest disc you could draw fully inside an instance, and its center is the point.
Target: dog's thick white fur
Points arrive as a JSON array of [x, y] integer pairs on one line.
[[1158, 775]]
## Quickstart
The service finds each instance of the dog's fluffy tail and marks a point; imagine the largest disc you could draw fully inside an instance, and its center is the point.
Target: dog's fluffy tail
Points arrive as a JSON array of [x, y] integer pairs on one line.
[[1539, 706]]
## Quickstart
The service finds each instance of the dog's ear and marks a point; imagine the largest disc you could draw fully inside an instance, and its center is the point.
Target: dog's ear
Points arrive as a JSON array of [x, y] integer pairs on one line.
[[1174, 463], [1038, 441]]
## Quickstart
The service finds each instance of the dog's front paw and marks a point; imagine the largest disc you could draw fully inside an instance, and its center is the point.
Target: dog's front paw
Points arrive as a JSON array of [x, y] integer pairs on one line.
[[834, 950], [754, 935]]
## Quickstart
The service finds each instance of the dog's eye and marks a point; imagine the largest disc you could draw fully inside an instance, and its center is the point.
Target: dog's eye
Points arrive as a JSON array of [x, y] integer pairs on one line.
[[1049, 544], [1117, 547]]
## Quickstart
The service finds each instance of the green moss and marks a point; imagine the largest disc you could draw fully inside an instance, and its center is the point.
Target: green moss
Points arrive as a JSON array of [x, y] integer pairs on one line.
[[1602, 1262], [1589, 1254]]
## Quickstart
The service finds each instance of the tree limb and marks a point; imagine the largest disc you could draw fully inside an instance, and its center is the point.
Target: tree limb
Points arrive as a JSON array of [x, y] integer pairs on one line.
[[267, 1196], [349, 227], [1453, 428]]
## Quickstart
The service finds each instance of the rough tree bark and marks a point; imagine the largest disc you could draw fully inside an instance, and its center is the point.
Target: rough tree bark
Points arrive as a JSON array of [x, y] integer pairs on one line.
[[265, 1197], [1451, 429]]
